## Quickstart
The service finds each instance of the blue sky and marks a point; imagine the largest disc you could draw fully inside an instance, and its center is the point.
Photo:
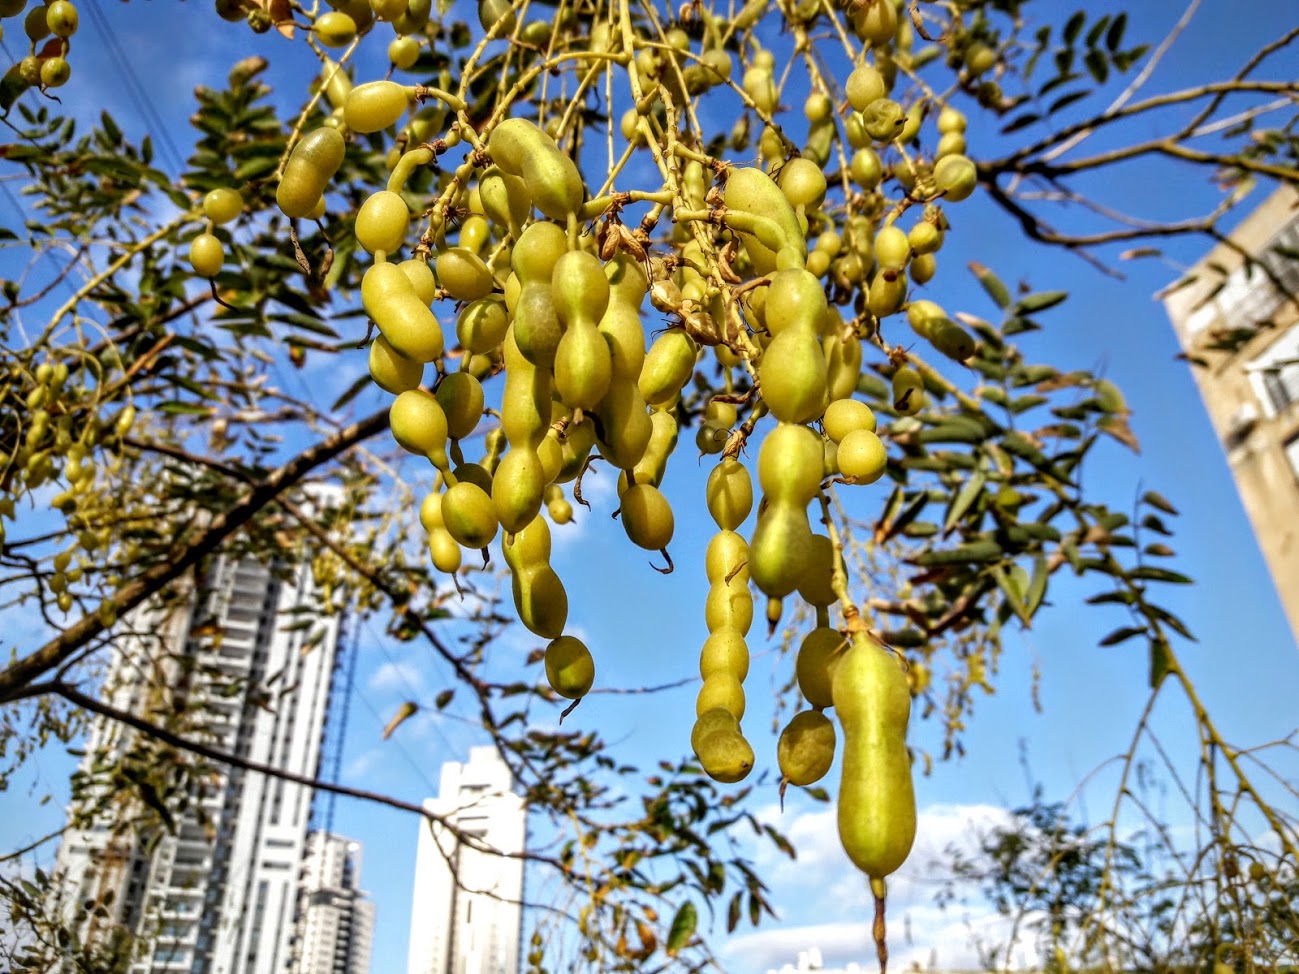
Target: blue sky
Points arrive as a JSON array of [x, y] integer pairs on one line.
[[645, 629]]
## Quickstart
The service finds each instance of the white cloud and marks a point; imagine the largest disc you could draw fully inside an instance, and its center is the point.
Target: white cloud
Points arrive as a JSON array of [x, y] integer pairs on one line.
[[402, 679], [922, 938], [823, 886]]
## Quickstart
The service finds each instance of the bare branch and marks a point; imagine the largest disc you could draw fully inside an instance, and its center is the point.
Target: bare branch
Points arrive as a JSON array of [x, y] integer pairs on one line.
[[221, 526]]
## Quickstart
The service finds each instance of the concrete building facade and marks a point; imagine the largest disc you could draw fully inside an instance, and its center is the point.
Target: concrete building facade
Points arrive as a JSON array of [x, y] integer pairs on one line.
[[247, 655], [466, 913], [335, 925], [1252, 394]]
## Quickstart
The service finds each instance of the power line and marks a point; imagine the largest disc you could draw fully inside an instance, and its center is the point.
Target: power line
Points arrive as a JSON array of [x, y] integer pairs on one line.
[[135, 91]]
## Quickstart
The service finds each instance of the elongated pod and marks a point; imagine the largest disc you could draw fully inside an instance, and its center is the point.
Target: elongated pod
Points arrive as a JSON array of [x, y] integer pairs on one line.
[[877, 803], [311, 165]]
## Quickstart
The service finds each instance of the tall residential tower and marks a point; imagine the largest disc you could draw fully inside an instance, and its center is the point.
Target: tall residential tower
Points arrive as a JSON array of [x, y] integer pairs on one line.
[[1252, 394], [466, 916], [242, 661]]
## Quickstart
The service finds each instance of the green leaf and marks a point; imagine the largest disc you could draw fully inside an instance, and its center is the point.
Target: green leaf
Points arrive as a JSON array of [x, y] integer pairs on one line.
[[975, 551], [1150, 573], [1121, 634], [1013, 585], [1172, 621], [111, 128], [1036, 585], [256, 168], [1022, 404], [1073, 27], [1114, 36], [683, 928], [351, 392], [1098, 28], [1158, 502], [444, 698], [406, 711], [1064, 101], [177, 408], [992, 284], [968, 494], [1022, 122], [733, 911], [1097, 65], [1040, 301]]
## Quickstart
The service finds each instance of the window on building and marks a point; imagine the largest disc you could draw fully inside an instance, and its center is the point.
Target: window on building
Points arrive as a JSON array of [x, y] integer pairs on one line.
[[1275, 373]]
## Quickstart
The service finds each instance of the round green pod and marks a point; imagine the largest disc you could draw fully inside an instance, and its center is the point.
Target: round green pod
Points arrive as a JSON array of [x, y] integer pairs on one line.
[[793, 377], [468, 515], [374, 106], [789, 463], [541, 601], [814, 665], [570, 668], [805, 750], [729, 493], [726, 756], [392, 372], [729, 606], [718, 718], [307, 173], [382, 221], [780, 549], [517, 488], [647, 517], [464, 274], [402, 318], [419, 425], [727, 557], [723, 690], [845, 415], [462, 399], [725, 651], [206, 255], [669, 364], [481, 324]]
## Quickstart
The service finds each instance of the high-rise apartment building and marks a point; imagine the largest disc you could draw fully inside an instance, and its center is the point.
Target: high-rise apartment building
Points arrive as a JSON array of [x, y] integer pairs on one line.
[[1252, 394], [247, 658], [466, 916], [335, 925]]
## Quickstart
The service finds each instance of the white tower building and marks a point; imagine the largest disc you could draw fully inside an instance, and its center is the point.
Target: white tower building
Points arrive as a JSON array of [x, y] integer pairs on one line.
[[335, 926], [466, 916], [219, 894]]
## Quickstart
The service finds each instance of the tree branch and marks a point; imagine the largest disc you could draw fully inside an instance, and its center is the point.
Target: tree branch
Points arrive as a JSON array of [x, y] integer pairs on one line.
[[221, 526], [87, 702]]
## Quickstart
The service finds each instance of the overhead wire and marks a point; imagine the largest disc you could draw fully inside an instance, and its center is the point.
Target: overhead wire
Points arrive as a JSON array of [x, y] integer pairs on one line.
[[135, 90]]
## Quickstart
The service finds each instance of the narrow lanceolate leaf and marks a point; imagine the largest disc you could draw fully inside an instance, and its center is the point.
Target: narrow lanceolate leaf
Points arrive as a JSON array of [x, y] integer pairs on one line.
[[967, 495], [1158, 501], [733, 912], [975, 551], [1121, 634], [1040, 301], [683, 928], [992, 284], [1153, 574], [1036, 585], [1014, 597], [403, 714]]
